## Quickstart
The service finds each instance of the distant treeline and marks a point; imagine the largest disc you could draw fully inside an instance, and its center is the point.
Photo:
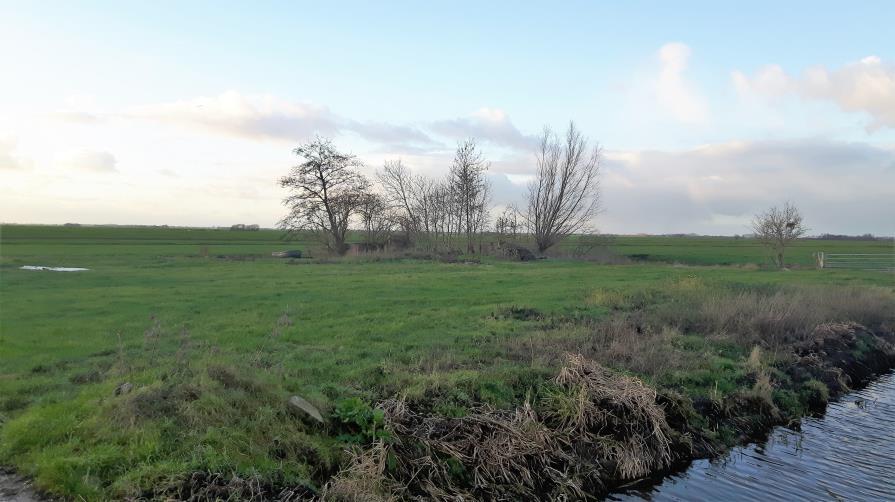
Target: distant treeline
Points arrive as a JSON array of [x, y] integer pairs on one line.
[[839, 237]]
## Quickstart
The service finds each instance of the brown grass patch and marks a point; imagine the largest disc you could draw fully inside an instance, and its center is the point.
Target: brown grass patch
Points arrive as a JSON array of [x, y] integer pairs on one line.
[[595, 426], [157, 402], [617, 414], [778, 317], [620, 341], [230, 380]]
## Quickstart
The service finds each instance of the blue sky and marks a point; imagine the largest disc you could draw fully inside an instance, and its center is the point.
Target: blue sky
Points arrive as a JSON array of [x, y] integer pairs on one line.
[[186, 112]]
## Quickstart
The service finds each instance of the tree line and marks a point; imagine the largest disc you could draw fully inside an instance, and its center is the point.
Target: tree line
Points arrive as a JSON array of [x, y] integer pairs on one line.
[[327, 194]]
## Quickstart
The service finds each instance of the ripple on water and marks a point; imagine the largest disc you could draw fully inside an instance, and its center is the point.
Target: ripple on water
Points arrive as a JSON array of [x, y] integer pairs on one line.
[[848, 454]]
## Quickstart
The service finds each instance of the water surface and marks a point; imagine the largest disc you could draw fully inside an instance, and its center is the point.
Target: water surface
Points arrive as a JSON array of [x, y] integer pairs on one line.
[[848, 454]]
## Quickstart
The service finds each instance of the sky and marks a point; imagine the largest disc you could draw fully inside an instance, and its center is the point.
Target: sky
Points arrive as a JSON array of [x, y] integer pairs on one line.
[[186, 113]]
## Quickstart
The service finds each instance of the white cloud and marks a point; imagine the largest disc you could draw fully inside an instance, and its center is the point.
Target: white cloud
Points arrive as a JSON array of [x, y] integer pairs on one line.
[[488, 124], [10, 159], [841, 187], [770, 81], [266, 117], [88, 160], [673, 92], [865, 86], [76, 117], [396, 137], [271, 118], [256, 117]]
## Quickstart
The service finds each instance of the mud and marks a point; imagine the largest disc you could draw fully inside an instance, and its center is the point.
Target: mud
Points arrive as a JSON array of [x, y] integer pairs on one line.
[[17, 488]]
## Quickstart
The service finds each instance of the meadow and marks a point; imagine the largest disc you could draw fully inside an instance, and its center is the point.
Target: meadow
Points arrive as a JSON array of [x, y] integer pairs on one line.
[[214, 335]]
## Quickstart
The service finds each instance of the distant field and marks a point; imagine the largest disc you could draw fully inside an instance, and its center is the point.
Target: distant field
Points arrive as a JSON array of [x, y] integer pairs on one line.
[[51, 241], [358, 328], [731, 251]]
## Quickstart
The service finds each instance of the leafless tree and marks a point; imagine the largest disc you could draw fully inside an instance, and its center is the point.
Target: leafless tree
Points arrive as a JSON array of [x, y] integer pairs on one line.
[[400, 188], [325, 190], [437, 208], [507, 224], [470, 190], [565, 196], [776, 228], [433, 211], [377, 218]]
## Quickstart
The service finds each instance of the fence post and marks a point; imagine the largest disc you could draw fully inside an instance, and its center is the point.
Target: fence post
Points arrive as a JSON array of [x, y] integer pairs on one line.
[[820, 259]]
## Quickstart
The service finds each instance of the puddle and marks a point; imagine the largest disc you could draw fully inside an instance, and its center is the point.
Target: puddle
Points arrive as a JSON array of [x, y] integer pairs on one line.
[[53, 269]]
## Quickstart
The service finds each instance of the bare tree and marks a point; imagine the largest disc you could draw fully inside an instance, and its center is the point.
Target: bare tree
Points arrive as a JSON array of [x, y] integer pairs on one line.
[[470, 191], [400, 188], [565, 196], [377, 218], [437, 208], [507, 224], [325, 190], [776, 228]]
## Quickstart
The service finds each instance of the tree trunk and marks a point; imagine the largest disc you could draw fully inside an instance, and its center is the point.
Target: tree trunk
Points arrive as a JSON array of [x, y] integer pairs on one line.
[[339, 244]]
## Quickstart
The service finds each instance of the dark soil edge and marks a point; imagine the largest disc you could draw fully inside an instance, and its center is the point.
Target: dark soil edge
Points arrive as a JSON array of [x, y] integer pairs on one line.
[[826, 355]]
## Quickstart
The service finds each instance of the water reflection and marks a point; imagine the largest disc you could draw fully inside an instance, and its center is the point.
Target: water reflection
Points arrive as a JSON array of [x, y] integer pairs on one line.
[[849, 454]]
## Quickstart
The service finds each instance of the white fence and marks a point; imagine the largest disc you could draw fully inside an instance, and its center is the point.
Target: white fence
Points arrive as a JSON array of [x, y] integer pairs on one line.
[[866, 261]]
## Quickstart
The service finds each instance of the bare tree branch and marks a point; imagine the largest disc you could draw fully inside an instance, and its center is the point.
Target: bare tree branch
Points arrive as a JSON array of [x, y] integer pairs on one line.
[[325, 191], [776, 228], [564, 198], [470, 190], [377, 219]]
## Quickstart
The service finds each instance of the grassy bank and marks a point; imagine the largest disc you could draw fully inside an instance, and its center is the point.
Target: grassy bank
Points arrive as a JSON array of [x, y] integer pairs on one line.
[[214, 346]]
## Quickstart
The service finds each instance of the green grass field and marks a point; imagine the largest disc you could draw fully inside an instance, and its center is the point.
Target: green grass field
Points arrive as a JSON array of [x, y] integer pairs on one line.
[[356, 328]]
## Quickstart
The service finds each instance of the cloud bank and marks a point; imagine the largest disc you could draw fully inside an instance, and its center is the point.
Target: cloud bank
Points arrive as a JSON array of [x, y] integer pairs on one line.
[[9, 158], [91, 161], [266, 117], [489, 124], [841, 187], [865, 86]]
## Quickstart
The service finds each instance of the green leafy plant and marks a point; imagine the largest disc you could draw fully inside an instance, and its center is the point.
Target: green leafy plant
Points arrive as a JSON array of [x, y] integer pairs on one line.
[[360, 422]]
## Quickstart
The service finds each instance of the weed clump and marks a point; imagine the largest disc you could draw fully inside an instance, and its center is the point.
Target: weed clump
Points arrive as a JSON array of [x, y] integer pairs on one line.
[[364, 479], [231, 380], [90, 376], [838, 354], [616, 415], [157, 402], [815, 395], [489, 453], [594, 426], [202, 485], [521, 313], [776, 317]]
